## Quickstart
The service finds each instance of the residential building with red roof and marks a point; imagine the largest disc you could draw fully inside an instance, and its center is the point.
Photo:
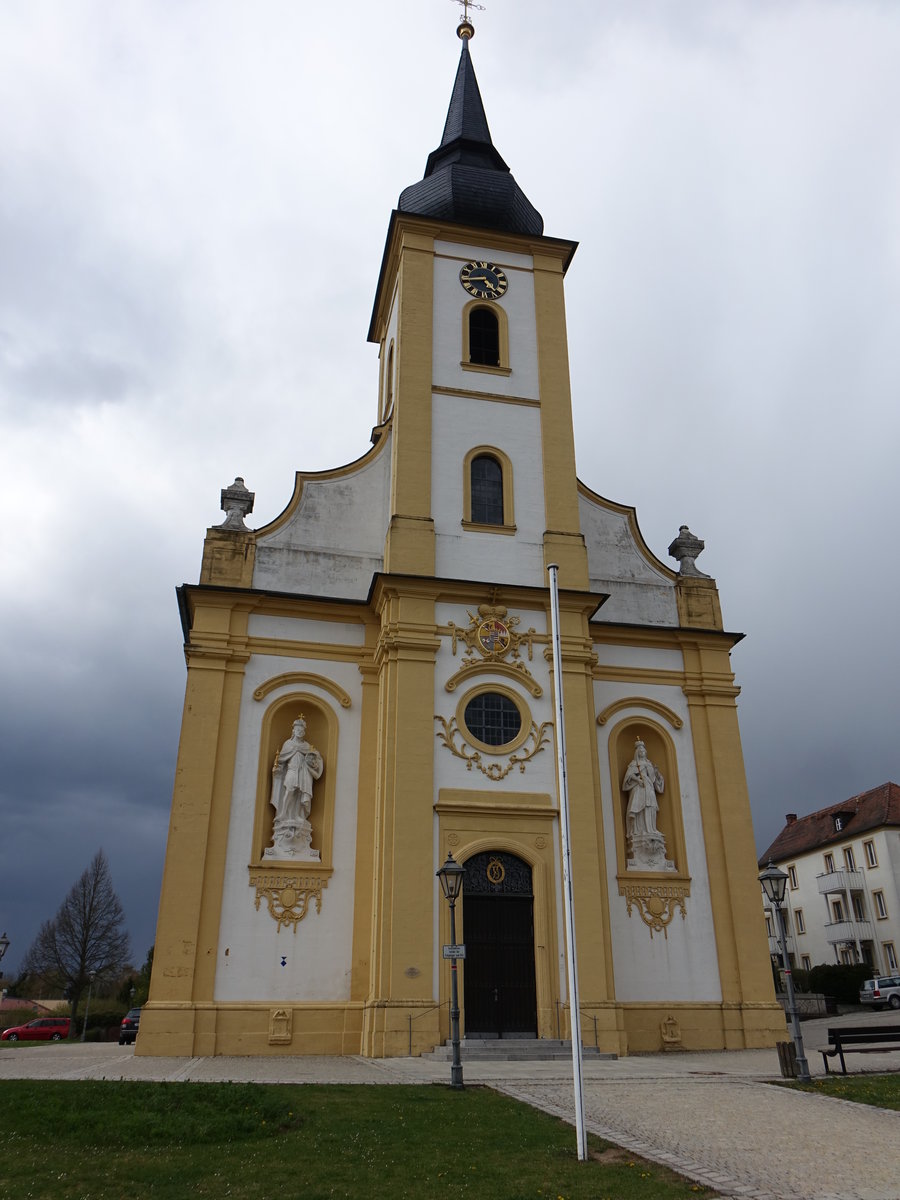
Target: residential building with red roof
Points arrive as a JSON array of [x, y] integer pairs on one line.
[[843, 892]]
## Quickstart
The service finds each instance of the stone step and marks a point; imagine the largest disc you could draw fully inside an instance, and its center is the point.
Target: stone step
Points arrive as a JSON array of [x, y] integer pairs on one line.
[[513, 1049]]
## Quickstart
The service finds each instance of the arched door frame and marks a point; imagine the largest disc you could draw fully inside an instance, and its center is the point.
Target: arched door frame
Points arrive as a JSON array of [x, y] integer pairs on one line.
[[537, 846]]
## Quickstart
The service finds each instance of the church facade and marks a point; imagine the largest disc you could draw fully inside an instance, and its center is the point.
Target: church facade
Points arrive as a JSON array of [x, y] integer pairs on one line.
[[370, 688]]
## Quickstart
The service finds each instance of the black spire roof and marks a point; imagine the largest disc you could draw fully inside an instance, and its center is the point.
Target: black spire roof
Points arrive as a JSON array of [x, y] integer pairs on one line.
[[466, 180]]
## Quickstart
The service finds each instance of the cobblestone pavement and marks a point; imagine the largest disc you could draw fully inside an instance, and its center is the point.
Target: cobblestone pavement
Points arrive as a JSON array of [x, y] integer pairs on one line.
[[742, 1138], [715, 1117]]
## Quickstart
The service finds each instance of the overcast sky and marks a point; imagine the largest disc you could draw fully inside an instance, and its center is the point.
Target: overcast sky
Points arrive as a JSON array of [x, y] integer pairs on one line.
[[193, 203]]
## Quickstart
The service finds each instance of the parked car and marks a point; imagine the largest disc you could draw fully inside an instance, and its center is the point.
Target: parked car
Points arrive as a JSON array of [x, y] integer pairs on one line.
[[43, 1029], [128, 1030], [880, 992]]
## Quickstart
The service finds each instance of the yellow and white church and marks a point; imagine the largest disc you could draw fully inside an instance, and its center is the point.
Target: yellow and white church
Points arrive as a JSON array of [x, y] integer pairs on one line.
[[370, 687]]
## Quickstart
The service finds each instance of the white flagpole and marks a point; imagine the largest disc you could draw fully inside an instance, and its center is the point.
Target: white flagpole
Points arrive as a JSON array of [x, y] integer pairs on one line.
[[563, 788]]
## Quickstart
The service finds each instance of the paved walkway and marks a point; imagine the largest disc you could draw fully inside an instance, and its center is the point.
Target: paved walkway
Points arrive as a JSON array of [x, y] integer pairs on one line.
[[714, 1117]]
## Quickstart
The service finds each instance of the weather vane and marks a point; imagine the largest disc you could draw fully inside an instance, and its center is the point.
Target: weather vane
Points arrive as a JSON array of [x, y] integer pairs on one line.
[[466, 29]]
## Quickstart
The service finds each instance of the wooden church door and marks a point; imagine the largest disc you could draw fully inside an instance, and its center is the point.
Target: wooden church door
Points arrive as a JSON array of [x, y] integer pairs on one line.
[[498, 914]]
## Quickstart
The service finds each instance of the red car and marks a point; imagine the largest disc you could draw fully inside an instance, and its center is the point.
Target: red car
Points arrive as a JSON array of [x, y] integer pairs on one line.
[[44, 1029]]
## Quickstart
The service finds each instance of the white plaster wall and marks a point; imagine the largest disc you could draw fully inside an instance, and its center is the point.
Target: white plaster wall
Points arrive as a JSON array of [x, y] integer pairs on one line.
[[333, 542], [319, 954], [540, 773], [684, 965], [460, 423], [450, 299], [450, 771], [638, 591]]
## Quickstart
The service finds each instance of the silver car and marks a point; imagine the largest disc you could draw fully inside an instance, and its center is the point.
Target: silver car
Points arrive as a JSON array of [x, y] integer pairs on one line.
[[880, 992]]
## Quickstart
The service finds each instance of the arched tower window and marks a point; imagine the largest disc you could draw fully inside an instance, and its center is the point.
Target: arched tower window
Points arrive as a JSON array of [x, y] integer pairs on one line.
[[487, 490], [484, 337]]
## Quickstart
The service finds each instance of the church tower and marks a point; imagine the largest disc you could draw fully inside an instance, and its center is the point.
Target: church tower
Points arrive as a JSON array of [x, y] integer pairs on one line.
[[370, 687]]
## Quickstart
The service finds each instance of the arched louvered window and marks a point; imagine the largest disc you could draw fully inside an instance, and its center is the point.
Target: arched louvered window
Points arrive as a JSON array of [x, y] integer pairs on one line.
[[484, 337], [487, 490]]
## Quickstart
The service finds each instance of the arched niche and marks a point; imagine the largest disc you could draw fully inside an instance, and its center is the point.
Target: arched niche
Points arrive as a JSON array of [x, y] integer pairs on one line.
[[321, 733], [669, 819]]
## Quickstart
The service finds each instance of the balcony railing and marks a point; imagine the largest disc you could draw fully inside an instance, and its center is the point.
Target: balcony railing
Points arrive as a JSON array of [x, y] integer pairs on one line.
[[840, 881], [849, 931]]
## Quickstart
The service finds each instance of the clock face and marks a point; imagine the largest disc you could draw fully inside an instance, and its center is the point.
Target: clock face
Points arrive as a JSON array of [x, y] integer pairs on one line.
[[484, 280]]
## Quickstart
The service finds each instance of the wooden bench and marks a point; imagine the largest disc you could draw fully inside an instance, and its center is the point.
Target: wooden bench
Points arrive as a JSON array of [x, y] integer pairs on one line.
[[860, 1039]]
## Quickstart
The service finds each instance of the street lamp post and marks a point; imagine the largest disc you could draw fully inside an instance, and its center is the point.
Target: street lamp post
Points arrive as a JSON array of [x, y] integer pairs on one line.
[[4, 946], [87, 1007], [773, 883], [451, 878]]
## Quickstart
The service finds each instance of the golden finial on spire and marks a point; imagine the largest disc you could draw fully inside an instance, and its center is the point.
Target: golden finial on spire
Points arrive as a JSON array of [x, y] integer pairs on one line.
[[465, 29]]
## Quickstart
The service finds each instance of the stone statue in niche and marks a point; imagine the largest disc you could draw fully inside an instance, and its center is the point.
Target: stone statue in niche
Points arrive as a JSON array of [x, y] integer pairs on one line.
[[643, 782], [297, 766]]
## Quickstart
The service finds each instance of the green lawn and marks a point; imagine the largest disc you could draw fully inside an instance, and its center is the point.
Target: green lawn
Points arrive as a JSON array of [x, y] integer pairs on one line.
[[882, 1091], [105, 1140]]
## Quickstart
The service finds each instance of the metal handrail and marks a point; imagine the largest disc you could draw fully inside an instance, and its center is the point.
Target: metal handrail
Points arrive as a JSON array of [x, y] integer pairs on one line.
[[560, 1004], [424, 1013]]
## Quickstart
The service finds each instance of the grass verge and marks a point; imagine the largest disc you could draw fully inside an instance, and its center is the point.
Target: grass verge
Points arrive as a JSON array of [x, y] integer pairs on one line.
[[881, 1091], [99, 1140]]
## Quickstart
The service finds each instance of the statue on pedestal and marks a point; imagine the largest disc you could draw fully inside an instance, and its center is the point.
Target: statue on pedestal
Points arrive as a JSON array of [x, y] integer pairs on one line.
[[647, 845], [297, 766]]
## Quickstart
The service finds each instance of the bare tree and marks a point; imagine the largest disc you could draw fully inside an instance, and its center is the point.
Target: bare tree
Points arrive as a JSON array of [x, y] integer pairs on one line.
[[85, 940]]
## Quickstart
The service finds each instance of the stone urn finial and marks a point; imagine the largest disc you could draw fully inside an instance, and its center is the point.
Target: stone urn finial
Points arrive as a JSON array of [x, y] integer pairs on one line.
[[236, 503], [686, 548]]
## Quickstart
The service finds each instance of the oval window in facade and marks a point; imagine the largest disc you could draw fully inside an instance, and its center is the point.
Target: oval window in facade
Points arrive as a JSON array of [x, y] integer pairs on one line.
[[493, 719]]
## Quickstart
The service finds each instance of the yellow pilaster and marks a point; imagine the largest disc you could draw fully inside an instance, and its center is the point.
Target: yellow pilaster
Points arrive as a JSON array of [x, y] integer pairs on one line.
[[749, 1012], [409, 545], [228, 557], [361, 977], [698, 603], [191, 900], [402, 927], [563, 540], [590, 891]]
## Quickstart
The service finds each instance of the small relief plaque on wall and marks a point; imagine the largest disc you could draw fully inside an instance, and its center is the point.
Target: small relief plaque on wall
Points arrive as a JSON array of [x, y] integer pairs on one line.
[[280, 1026]]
